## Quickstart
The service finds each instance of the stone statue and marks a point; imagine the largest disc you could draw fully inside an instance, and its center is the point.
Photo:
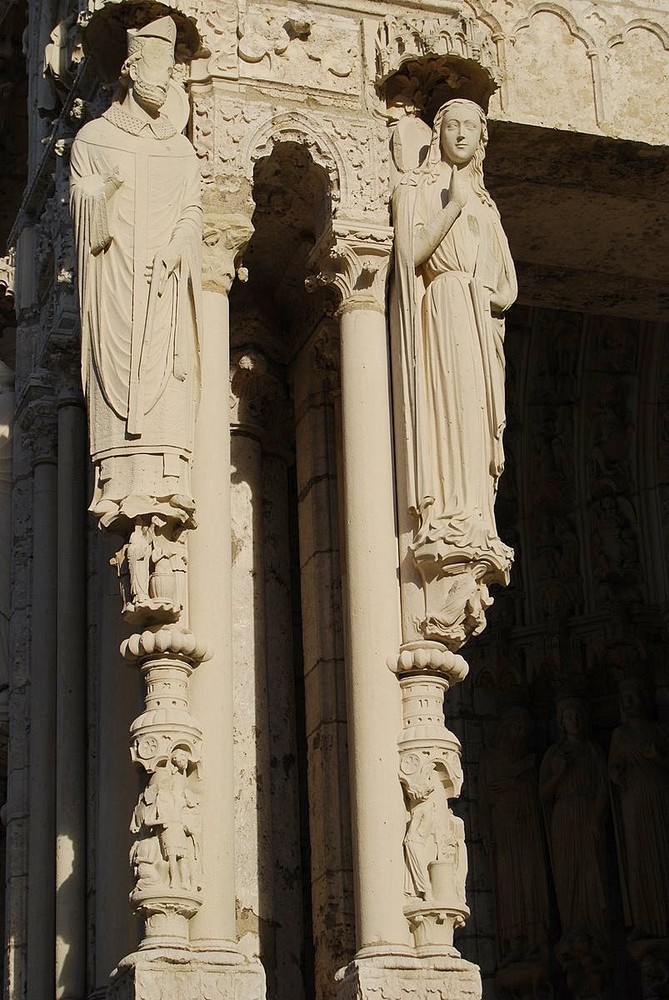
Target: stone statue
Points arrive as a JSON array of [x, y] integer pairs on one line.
[[167, 813], [454, 279], [434, 844], [152, 570], [574, 789], [135, 199], [6, 424], [511, 822], [639, 770]]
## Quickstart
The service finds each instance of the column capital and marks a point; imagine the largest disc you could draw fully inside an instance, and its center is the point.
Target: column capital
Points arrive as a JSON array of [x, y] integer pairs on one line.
[[225, 236], [352, 258], [38, 426]]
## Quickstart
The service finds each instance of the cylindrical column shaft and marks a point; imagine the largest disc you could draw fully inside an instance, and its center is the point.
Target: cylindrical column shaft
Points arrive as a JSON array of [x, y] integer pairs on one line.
[[42, 794], [71, 706], [114, 690], [213, 928], [372, 628]]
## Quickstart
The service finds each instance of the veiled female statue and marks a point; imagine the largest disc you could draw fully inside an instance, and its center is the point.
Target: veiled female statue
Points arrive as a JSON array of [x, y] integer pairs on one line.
[[574, 789], [454, 279], [639, 769]]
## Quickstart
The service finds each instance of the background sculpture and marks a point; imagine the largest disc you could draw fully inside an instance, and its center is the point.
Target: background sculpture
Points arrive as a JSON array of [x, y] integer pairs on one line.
[[639, 770], [135, 198], [449, 336], [574, 789], [511, 820]]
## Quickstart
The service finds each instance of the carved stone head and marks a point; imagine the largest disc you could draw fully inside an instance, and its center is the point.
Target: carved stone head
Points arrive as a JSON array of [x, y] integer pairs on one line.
[[150, 64]]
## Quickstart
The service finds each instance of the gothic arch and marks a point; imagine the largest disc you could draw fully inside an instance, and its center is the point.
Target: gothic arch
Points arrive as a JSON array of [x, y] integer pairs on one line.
[[641, 24], [293, 126], [563, 15]]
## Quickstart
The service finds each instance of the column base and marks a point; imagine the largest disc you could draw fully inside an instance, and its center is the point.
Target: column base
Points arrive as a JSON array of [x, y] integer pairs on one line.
[[395, 977], [171, 974]]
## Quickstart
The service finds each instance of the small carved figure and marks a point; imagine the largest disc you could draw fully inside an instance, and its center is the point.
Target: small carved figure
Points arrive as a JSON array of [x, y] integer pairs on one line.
[[639, 770], [419, 845], [574, 789], [152, 568], [135, 200], [511, 821], [434, 844], [169, 810], [449, 335]]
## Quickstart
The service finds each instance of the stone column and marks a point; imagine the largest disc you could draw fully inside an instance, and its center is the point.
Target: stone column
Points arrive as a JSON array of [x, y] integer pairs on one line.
[[71, 696], [213, 929], [372, 623], [39, 424]]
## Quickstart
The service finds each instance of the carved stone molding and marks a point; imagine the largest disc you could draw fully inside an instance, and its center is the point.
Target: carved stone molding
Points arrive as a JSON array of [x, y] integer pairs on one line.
[[299, 47], [353, 259], [450, 49]]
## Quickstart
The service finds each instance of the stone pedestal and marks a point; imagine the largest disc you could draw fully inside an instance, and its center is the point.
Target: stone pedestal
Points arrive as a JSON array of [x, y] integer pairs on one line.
[[394, 977], [165, 974]]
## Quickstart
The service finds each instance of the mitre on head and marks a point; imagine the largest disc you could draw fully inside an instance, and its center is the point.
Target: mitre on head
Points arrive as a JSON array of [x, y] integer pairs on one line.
[[163, 28]]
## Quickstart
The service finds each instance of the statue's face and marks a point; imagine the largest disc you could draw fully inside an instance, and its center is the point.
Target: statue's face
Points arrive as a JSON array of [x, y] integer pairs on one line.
[[573, 721], [460, 134], [151, 74], [180, 759]]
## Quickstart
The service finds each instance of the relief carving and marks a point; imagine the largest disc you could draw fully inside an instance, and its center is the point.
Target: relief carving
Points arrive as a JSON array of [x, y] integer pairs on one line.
[[167, 823], [293, 46], [403, 39], [449, 333]]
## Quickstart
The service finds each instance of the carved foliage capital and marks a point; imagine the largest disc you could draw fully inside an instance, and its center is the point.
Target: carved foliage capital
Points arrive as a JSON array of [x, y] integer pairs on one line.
[[225, 236], [38, 424], [353, 261]]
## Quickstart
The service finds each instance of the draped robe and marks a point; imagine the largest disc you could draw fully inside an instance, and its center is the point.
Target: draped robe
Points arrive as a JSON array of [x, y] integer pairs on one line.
[[140, 350], [452, 363]]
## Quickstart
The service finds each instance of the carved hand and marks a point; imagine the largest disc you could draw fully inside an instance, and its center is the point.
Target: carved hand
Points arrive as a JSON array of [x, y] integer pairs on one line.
[[112, 182], [457, 193], [164, 264]]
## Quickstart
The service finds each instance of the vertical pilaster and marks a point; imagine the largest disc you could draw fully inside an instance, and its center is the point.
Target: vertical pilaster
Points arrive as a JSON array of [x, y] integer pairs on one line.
[[39, 424], [71, 691]]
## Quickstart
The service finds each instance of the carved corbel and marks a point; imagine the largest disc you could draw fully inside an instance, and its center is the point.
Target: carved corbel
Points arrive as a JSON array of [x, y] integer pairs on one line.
[[352, 259]]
